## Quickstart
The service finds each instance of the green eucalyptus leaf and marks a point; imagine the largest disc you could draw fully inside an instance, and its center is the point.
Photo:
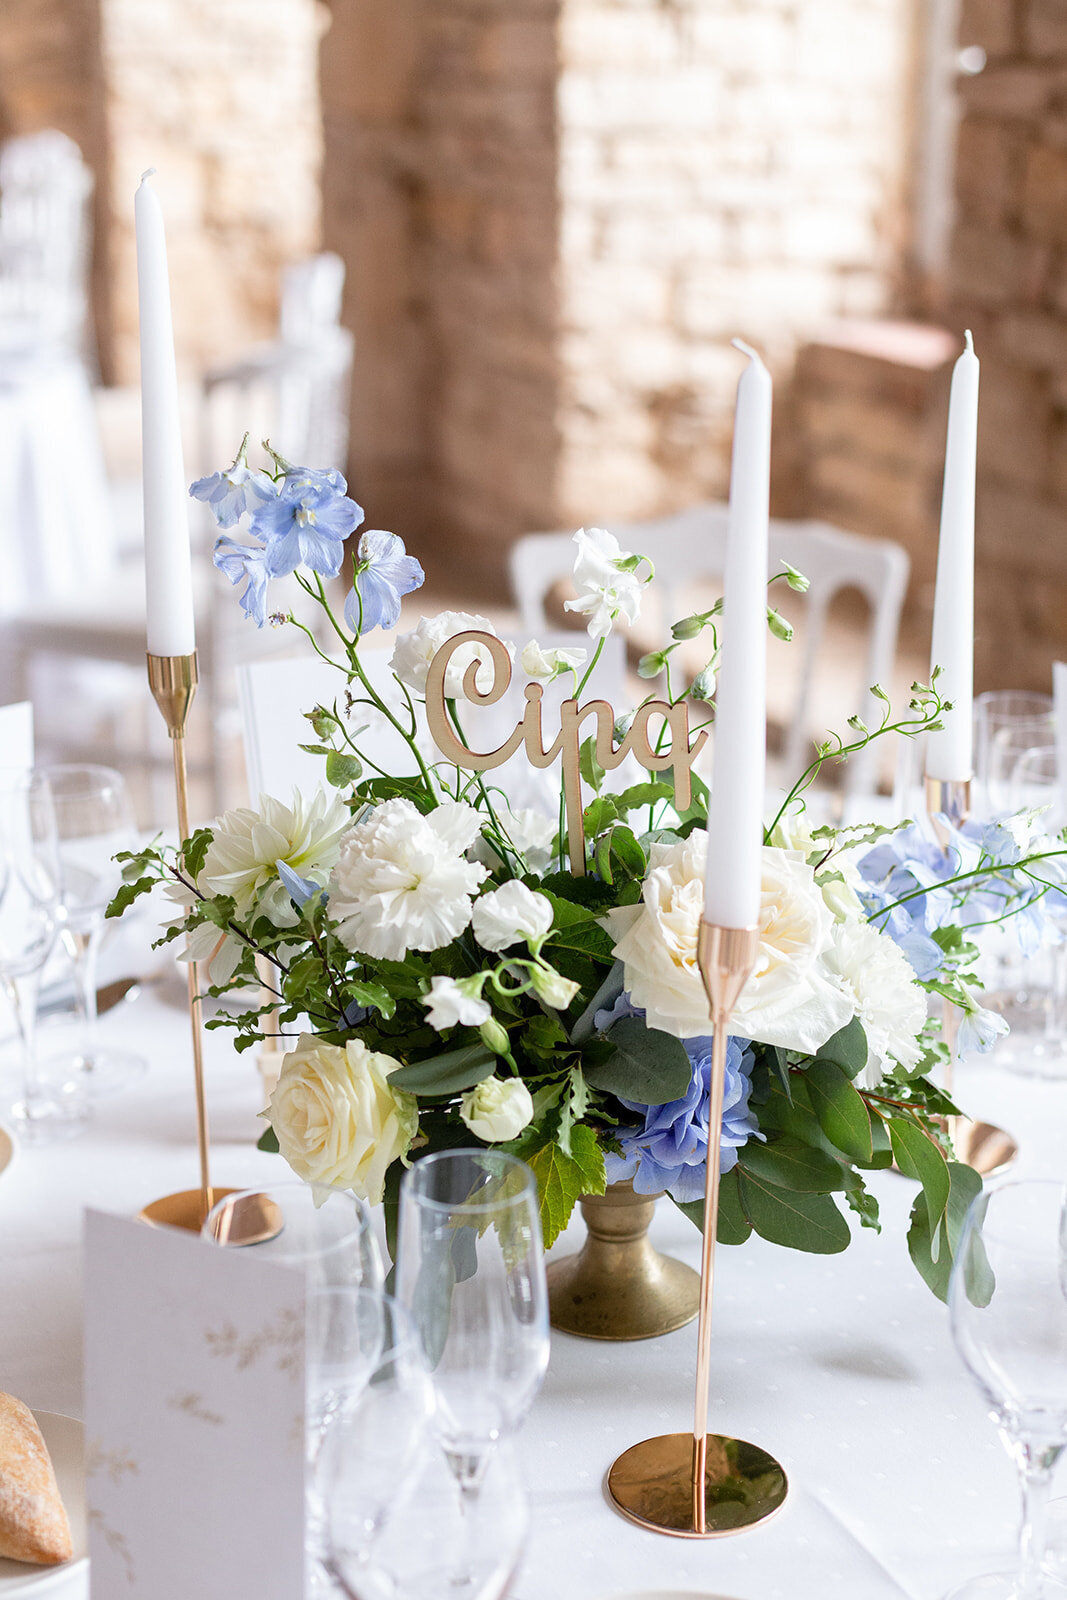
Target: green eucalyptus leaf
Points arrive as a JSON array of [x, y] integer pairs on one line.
[[808, 1222], [933, 1258], [268, 1141], [918, 1156], [847, 1048], [791, 1164], [648, 1067], [446, 1074], [840, 1110], [734, 1227]]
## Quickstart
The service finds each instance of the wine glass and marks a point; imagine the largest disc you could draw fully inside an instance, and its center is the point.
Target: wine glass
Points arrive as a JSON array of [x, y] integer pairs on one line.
[[329, 1235], [94, 819], [470, 1268], [1007, 722], [1035, 786], [28, 923], [1008, 1309], [395, 1527]]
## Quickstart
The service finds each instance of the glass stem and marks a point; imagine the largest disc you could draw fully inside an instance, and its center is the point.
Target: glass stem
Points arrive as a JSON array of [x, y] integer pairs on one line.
[[1036, 1464], [83, 947], [1056, 1016], [22, 992]]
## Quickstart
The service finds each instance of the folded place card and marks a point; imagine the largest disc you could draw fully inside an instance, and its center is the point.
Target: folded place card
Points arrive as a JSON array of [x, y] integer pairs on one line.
[[194, 1400]]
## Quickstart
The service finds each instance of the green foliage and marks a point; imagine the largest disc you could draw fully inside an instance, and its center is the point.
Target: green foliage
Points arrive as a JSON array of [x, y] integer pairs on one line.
[[562, 1177], [450, 1073], [646, 1065], [932, 1248], [268, 1141]]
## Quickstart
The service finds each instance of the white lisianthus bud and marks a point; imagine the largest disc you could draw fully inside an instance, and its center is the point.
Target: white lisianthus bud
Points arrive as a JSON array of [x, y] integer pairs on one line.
[[552, 987], [547, 664], [497, 1109], [450, 1002], [506, 915]]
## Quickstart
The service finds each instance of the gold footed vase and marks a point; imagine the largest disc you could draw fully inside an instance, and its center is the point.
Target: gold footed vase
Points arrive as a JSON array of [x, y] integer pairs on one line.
[[619, 1286]]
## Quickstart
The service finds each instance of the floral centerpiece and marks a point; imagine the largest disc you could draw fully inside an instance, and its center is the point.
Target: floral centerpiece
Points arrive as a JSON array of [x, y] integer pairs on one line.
[[446, 980]]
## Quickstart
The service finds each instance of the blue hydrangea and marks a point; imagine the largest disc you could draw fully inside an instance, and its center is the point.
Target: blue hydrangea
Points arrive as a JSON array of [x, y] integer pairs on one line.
[[384, 573], [668, 1151], [238, 562]]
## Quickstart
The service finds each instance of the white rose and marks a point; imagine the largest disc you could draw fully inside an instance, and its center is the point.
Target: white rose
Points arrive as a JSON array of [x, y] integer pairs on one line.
[[497, 1109], [504, 916], [403, 881], [414, 651], [449, 1003], [789, 1000], [337, 1120], [880, 982], [607, 589], [548, 664]]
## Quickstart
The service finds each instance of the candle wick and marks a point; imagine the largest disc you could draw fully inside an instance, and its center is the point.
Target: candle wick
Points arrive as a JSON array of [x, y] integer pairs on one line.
[[969, 341], [149, 172], [747, 350]]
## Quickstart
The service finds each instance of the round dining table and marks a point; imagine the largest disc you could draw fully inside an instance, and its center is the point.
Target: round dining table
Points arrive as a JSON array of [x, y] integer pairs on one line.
[[842, 1366]]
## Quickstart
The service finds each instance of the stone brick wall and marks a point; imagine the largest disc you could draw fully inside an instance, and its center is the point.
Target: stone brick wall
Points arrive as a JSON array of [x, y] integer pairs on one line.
[[1007, 281], [728, 167]]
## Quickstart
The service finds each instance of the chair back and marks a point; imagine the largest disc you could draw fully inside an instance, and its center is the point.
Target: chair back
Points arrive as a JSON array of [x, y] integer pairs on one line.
[[45, 238], [690, 546]]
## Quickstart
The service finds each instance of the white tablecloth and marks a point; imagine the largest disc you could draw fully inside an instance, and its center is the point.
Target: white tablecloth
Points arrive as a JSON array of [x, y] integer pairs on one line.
[[841, 1366]]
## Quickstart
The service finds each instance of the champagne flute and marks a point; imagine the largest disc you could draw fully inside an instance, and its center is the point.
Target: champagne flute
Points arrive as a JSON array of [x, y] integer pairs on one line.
[[28, 923], [470, 1268], [1008, 1309], [94, 819]]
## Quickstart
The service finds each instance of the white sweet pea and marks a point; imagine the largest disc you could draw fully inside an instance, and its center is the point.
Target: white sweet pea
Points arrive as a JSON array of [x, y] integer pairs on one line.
[[552, 987], [504, 916], [338, 1122], [790, 1000], [403, 881], [607, 586], [548, 664], [878, 979], [530, 833], [449, 1003], [414, 651], [497, 1109]]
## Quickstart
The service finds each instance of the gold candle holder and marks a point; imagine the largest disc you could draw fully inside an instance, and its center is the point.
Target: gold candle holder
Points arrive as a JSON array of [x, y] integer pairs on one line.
[[981, 1145], [173, 681], [701, 1485]]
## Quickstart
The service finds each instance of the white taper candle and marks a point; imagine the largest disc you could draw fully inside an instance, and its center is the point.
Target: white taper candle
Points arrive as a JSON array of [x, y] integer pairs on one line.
[[735, 810], [949, 755], [168, 574]]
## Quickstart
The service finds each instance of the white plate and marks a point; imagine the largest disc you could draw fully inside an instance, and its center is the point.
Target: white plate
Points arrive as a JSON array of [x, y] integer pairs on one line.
[[65, 1439], [7, 1149]]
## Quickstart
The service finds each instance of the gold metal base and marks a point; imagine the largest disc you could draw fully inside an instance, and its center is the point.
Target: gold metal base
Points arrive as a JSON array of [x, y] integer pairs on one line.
[[982, 1145], [652, 1485], [173, 681], [619, 1286], [251, 1220], [184, 1210]]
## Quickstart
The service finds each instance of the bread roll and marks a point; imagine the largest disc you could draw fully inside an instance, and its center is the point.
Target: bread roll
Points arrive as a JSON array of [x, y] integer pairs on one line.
[[33, 1522]]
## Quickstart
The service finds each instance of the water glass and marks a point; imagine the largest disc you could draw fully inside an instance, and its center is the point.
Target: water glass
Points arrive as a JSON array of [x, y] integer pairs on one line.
[[1007, 723], [1008, 1309]]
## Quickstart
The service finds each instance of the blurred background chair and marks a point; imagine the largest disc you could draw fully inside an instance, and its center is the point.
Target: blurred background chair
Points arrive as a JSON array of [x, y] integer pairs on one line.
[[689, 549]]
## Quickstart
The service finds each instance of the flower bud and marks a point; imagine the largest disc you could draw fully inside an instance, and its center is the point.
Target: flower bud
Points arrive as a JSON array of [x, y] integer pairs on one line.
[[494, 1036]]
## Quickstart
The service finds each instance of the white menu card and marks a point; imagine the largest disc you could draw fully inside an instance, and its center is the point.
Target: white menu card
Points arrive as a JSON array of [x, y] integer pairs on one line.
[[194, 1401]]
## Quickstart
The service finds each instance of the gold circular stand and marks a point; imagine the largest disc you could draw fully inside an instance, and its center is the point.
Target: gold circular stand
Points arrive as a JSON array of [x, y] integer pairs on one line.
[[184, 1210], [618, 1286], [982, 1145], [652, 1485]]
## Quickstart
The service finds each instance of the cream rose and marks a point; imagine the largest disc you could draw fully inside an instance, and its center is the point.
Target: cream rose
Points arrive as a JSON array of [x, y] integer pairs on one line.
[[497, 1109], [790, 1000], [337, 1120]]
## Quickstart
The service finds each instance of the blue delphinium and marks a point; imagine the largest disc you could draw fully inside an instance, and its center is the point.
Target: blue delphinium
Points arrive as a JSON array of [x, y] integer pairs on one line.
[[383, 573], [239, 561], [306, 525], [237, 489], [669, 1150]]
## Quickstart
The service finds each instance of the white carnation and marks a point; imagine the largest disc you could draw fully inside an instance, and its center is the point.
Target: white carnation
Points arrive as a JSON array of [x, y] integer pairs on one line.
[[449, 1003], [790, 1000], [403, 881], [605, 590], [414, 651], [880, 984], [497, 1109], [246, 846], [547, 664], [504, 916]]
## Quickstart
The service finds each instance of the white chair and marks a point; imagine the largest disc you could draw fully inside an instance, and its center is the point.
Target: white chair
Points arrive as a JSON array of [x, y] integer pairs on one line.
[[274, 696], [690, 547]]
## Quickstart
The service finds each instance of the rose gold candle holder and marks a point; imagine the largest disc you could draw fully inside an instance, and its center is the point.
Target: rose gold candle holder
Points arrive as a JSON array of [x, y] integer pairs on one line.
[[173, 681], [981, 1145], [699, 1485]]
